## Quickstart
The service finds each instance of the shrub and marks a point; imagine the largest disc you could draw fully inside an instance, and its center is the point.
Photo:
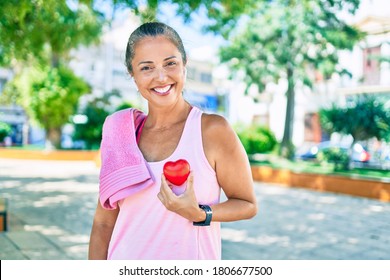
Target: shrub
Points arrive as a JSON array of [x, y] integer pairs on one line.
[[96, 111], [5, 130], [257, 139], [124, 105], [91, 131], [338, 156]]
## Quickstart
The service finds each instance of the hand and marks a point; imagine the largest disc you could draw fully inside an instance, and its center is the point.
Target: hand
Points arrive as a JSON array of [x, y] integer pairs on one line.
[[185, 204]]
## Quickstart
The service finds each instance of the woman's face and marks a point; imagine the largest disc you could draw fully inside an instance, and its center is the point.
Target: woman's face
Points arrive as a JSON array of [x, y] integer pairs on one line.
[[158, 70]]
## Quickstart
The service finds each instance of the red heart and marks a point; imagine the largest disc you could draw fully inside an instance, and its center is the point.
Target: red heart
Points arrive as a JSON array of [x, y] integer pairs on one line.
[[177, 172]]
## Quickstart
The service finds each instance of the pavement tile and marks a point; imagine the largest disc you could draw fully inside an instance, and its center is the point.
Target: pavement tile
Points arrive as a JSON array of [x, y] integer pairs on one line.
[[6, 244], [12, 255], [77, 252], [45, 254], [374, 254], [26, 241], [52, 206]]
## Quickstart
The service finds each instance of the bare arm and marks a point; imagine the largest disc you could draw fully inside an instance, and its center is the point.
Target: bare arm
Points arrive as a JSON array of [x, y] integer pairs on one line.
[[103, 225], [227, 156]]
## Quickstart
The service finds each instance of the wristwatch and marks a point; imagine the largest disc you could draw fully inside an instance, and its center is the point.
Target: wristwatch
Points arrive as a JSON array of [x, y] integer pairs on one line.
[[209, 215]]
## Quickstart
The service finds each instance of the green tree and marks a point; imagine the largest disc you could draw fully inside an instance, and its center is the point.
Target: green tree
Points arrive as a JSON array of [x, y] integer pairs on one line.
[[222, 13], [49, 96], [36, 38], [42, 33], [290, 39], [45, 31], [96, 112], [363, 117]]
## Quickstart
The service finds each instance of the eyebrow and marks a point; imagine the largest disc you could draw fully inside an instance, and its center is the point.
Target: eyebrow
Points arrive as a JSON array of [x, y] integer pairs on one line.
[[147, 62]]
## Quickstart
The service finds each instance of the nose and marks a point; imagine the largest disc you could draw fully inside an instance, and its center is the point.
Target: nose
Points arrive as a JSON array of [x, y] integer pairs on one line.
[[161, 74]]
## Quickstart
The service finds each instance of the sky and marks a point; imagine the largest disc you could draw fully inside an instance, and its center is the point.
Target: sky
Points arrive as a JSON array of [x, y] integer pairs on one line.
[[198, 44], [204, 46]]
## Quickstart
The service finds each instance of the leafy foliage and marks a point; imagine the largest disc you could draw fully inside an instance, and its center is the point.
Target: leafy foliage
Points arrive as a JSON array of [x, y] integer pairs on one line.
[[45, 30], [290, 40], [5, 130], [125, 105], [280, 39], [96, 112], [257, 139], [91, 132], [364, 117], [221, 12], [36, 34], [35, 39], [49, 95], [339, 157]]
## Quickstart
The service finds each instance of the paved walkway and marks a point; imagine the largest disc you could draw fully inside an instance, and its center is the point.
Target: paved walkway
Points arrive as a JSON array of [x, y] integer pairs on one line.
[[51, 205]]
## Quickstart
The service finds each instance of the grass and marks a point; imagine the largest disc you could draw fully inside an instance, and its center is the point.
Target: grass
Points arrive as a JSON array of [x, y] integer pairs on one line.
[[321, 168], [27, 147]]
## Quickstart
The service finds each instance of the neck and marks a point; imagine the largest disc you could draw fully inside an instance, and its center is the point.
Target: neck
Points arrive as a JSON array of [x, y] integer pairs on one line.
[[163, 118]]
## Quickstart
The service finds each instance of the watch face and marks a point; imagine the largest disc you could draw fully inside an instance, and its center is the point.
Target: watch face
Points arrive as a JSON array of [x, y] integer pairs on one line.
[[207, 209], [209, 212]]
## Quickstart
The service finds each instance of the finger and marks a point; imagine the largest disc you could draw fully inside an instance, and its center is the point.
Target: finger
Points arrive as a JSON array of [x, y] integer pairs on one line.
[[165, 182], [165, 188], [163, 179], [160, 197]]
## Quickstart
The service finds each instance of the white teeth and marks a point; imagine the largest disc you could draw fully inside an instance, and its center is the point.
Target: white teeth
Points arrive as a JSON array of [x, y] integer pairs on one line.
[[162, 90]]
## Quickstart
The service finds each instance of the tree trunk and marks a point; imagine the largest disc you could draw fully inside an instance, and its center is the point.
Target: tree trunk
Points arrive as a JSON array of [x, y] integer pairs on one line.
[[55, 60], [53, 138], [287, 147]]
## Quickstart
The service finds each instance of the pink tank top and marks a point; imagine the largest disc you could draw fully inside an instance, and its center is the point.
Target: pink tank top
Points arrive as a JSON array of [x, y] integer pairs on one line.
[[145, 230]]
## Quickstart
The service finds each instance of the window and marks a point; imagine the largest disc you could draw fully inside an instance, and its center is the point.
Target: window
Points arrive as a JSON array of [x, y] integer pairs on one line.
[[371, 65]]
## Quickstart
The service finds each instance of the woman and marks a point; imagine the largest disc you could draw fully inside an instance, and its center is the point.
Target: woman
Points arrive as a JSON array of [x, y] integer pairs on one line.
[[163, 221]]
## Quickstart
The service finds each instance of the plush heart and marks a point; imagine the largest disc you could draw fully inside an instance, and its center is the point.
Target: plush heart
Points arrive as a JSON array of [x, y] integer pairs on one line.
[[177, 172]]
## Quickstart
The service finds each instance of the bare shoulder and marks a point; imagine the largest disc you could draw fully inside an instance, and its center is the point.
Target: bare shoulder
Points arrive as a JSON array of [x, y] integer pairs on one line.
[[213, 125], [218, 136]]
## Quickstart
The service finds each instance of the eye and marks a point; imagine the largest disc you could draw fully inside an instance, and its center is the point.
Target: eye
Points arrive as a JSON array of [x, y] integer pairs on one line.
[[146, 68], [171, 63]]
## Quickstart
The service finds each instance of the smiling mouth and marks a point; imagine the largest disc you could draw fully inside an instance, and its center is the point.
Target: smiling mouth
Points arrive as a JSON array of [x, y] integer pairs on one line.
[[162, 90]]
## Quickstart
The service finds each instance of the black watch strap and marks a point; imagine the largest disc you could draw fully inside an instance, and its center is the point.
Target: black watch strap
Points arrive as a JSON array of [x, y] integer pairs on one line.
[[209, 215]]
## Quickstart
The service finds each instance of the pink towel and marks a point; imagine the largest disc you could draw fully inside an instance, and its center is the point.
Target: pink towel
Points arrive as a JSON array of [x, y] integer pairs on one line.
[[124, 170]]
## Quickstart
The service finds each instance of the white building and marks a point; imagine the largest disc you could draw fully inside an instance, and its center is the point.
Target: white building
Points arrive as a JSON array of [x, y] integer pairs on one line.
[[103, 65], [369, 62]]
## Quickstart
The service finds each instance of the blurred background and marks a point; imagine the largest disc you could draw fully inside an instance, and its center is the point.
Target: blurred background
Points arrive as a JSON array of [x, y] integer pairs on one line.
[[305, 80], [305, 84]]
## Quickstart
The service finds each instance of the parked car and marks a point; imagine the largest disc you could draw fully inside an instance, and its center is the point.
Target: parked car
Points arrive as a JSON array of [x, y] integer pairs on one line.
[[359, 153]]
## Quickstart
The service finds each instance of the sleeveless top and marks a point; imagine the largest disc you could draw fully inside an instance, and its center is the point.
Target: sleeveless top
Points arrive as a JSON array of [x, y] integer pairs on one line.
[[146, 230]]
